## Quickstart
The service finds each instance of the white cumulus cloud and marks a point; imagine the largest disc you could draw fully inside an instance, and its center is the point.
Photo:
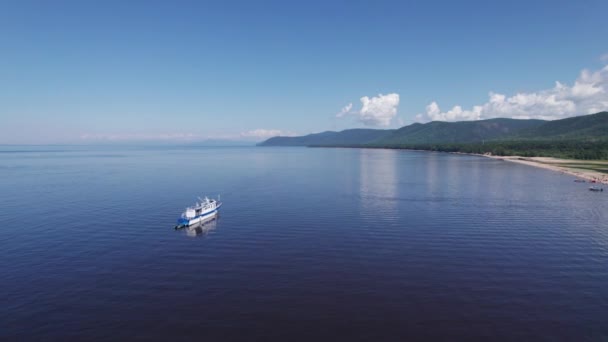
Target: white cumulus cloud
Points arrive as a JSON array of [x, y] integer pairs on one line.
[[345, 110], [588, 94], [265, 133], [375, 111]]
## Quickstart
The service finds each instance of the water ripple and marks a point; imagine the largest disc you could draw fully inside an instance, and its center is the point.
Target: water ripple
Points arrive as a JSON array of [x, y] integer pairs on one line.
[[362, 244]]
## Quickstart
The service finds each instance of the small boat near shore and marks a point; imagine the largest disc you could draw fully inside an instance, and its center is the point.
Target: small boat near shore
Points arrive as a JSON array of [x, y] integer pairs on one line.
[[204, 210], [596, 189], [580, 181]]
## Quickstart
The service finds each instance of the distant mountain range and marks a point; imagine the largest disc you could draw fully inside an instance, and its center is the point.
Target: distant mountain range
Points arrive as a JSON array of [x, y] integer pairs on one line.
[[593, 127]]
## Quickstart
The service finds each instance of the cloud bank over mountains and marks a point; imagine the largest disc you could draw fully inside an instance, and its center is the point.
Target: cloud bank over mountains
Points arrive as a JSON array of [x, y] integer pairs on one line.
[[588, 94], [375, 111]]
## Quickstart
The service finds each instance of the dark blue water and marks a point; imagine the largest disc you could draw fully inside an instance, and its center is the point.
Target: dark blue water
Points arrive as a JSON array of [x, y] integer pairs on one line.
[[311, 244]]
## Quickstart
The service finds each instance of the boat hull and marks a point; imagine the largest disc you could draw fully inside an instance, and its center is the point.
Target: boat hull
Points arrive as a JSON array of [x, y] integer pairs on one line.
[[183, 222], [202, 218]]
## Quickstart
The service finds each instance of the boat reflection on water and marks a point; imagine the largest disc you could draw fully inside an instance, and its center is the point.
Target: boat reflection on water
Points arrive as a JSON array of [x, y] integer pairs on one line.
[[202, 228]]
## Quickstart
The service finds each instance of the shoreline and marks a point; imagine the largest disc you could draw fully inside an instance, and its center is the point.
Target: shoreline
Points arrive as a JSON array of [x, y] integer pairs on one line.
[[559, 165], [548, 163]]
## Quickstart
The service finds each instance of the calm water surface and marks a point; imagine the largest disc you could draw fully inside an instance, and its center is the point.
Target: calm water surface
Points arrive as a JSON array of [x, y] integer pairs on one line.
[[311, 244]]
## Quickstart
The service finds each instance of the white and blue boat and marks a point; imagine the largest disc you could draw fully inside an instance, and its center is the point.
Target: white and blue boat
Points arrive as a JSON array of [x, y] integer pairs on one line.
[[204, 210]]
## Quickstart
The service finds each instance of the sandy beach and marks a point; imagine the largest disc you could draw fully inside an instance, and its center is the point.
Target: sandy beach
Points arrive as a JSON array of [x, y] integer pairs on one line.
[[582, 169]]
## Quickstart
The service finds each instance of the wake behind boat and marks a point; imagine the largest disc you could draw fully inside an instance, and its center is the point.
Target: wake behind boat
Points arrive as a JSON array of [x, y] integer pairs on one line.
[[204, 210]]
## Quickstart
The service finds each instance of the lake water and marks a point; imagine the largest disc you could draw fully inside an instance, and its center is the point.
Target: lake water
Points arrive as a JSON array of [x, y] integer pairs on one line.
[[311, 244]]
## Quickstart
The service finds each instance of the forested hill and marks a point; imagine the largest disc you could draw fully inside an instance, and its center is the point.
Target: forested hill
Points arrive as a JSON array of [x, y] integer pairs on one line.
[[346, 137], [457, 132], [432, 132], [591, 127], [586, 127]]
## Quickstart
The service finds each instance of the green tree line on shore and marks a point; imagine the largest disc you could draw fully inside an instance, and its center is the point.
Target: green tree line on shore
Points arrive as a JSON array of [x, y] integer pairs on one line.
[[573, 149], [569, 149]]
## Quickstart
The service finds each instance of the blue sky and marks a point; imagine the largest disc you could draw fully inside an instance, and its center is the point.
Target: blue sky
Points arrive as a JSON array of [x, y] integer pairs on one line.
[[83, 71]]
